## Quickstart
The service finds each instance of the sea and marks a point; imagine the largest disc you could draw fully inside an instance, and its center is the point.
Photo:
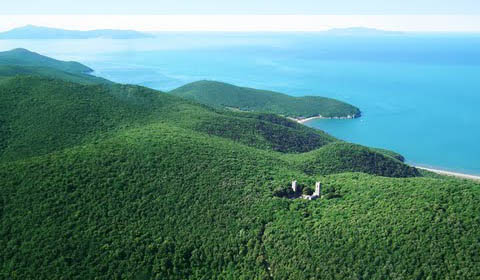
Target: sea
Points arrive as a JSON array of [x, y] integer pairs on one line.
[[419, 93]]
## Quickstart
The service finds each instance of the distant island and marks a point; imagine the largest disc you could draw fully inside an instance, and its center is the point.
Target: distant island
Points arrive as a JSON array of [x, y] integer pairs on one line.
[[39, 32], [360, 31], [220, 94]]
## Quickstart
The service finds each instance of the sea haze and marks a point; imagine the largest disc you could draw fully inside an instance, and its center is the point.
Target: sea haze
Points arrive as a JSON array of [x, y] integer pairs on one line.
[[419, 93]]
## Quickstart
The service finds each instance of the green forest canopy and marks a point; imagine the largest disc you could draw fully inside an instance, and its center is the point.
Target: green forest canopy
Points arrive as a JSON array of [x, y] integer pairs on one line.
[[248, 99], [114, 181], [23, 57]]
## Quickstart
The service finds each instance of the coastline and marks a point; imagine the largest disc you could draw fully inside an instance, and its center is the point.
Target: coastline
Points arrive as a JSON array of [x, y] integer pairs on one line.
[[437, 171], [304, 120], [450, 173]]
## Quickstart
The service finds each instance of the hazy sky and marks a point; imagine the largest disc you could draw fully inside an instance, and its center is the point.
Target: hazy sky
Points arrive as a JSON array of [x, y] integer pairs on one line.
[[245, 15], [240, 7]]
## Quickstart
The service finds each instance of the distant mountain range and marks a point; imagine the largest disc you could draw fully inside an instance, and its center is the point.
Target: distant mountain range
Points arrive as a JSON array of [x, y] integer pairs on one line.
[[38, 32]]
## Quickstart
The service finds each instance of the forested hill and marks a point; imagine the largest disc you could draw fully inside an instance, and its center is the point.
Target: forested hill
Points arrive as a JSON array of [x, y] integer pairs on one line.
[[248, 99], [7, 71], [42, 115], [23, 57], [109, 181]]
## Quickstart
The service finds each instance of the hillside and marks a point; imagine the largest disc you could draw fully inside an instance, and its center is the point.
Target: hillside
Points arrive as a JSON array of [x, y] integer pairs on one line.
[[23, 57], [113, 181], [7, 71], [41, 115], [345, 157], [163, 202], [247, 99], [39, 32]]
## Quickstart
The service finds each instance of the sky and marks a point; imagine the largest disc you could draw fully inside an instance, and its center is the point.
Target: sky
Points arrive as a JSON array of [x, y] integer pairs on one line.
[[344, 7], [245, 15]]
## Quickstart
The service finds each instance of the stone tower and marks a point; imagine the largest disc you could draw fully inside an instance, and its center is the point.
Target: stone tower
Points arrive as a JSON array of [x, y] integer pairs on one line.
[[318, 189], [294, 186]]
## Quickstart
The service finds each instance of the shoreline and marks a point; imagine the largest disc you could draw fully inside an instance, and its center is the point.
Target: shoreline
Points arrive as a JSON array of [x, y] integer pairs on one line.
[[449, 173], [434, 170], [304, 120]]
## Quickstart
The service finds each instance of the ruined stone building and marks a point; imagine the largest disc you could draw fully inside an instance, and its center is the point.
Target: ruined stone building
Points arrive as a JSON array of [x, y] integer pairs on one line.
[[316, 194]]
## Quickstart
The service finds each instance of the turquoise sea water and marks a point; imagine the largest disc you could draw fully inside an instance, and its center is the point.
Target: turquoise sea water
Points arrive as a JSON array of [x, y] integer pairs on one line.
[[419, 93]]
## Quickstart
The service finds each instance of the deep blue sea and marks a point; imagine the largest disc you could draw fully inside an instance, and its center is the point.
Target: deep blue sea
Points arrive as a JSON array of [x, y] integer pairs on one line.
[[419, 93]]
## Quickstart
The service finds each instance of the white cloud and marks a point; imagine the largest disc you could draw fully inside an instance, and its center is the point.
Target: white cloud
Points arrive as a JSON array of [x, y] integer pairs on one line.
[[463, 23]]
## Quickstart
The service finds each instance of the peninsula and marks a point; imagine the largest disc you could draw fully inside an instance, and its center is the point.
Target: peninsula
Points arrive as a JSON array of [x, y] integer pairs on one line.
[[225, 95]]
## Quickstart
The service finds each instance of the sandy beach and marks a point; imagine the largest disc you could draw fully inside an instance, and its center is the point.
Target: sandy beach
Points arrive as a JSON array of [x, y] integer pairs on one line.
[[304, 120], [438, 171], [308, 119], [449, 173]]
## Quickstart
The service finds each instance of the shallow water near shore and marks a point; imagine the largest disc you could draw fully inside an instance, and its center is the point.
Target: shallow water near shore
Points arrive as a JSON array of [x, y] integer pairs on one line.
[[419, 93]]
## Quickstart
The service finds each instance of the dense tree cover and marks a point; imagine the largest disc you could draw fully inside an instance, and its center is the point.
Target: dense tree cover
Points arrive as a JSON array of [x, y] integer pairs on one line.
[[122, 182], [45, 115], [346, 157], [159, 201], [390, 153], [7, 71], [168, 203], [23, 57], [380, 228], [263, 134], [248, 99]]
